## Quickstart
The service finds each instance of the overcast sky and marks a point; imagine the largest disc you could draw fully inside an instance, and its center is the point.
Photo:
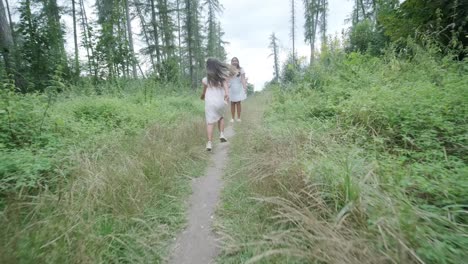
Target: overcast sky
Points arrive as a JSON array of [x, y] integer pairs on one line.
[[249, 23]]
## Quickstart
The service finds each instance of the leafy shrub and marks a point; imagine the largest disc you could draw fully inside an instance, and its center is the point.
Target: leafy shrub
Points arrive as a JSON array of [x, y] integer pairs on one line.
[[405, 114], [23, 169], [35, 131], [22, 119]]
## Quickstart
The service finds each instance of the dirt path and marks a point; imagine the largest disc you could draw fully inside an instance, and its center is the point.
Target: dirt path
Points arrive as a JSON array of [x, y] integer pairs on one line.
[[197, 243]]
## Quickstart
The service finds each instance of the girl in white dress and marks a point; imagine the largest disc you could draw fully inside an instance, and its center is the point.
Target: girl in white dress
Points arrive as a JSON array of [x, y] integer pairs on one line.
[[216, 96], [238, 90]]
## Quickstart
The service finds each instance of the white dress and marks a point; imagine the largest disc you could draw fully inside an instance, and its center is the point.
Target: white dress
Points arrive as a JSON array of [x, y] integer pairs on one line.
[[214, 103], [236, 89]]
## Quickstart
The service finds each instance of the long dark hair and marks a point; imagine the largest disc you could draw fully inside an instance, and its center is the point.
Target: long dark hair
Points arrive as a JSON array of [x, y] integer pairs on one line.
[[218, 72]]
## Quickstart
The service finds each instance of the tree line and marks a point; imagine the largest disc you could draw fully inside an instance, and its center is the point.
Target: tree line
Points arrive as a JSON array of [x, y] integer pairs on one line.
[[177, 36], [374, 24]]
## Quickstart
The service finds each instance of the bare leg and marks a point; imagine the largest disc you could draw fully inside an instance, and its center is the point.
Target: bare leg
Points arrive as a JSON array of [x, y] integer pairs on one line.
[[209, 130], [233, 109], [221, 125], [239, 108]]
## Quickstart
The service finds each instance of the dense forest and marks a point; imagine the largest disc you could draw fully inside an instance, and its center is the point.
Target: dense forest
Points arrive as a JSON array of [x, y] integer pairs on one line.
[[354, 153], [178, 35]]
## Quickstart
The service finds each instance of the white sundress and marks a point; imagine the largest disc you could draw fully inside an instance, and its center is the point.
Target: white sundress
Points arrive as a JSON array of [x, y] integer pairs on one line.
[[214, 103], [236, 89]]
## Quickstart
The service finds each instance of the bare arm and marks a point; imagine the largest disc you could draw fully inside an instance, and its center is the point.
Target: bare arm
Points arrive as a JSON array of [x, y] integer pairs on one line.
[[204, 91], [226, 90], [244, 83]]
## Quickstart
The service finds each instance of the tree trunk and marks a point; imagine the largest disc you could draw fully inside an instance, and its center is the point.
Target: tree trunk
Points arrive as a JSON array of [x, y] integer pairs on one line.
[[356, 13], [75, 38], [314, 34], [198, 52], [6, 39], [374, 10], [323, 20], [179, 35], [363, 9], [189, 27], [85, 36], [11, 23], [130, 39], [275, 48], [155, 33], [293, 30]]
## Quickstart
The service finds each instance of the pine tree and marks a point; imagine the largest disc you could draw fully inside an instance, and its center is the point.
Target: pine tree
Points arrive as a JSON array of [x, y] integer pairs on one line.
[[214, 8], [200, 51], [315, 21], [55, 34], [112, 51], [193, 40], [323, 20], [42, 52], [293, 29], [275, 53], [220, 52]]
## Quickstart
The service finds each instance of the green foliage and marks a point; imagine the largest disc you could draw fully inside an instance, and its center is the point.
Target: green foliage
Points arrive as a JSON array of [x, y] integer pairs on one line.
[[444, 20], [401, 117], [250, 89], [425, 15], [377, 23], [315, 22], [112, 52], [23, 169], [290, 71], [38, 54], [21, 117], [364, 37], [121, 199], [41, 51], [40, 128]]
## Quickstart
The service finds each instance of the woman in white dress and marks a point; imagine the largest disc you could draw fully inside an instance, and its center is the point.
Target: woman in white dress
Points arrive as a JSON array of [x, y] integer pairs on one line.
[[238, 90], [216, 96]]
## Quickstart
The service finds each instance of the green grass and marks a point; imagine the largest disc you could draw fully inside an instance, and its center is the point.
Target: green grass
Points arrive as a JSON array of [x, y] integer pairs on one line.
[[243, 219], [362, 161], [267, 198], [104, 182]]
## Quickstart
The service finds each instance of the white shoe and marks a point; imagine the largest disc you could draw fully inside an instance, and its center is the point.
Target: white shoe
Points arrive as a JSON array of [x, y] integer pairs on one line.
[[239, 120], [232, 121], [222, 138], [209, 146]]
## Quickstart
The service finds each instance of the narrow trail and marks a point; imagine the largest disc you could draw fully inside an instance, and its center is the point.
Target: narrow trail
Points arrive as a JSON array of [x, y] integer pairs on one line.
[[197, 244]]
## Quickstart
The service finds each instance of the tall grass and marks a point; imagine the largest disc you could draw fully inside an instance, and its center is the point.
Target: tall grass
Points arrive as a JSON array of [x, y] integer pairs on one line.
[[363, 161], [114, 190]]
